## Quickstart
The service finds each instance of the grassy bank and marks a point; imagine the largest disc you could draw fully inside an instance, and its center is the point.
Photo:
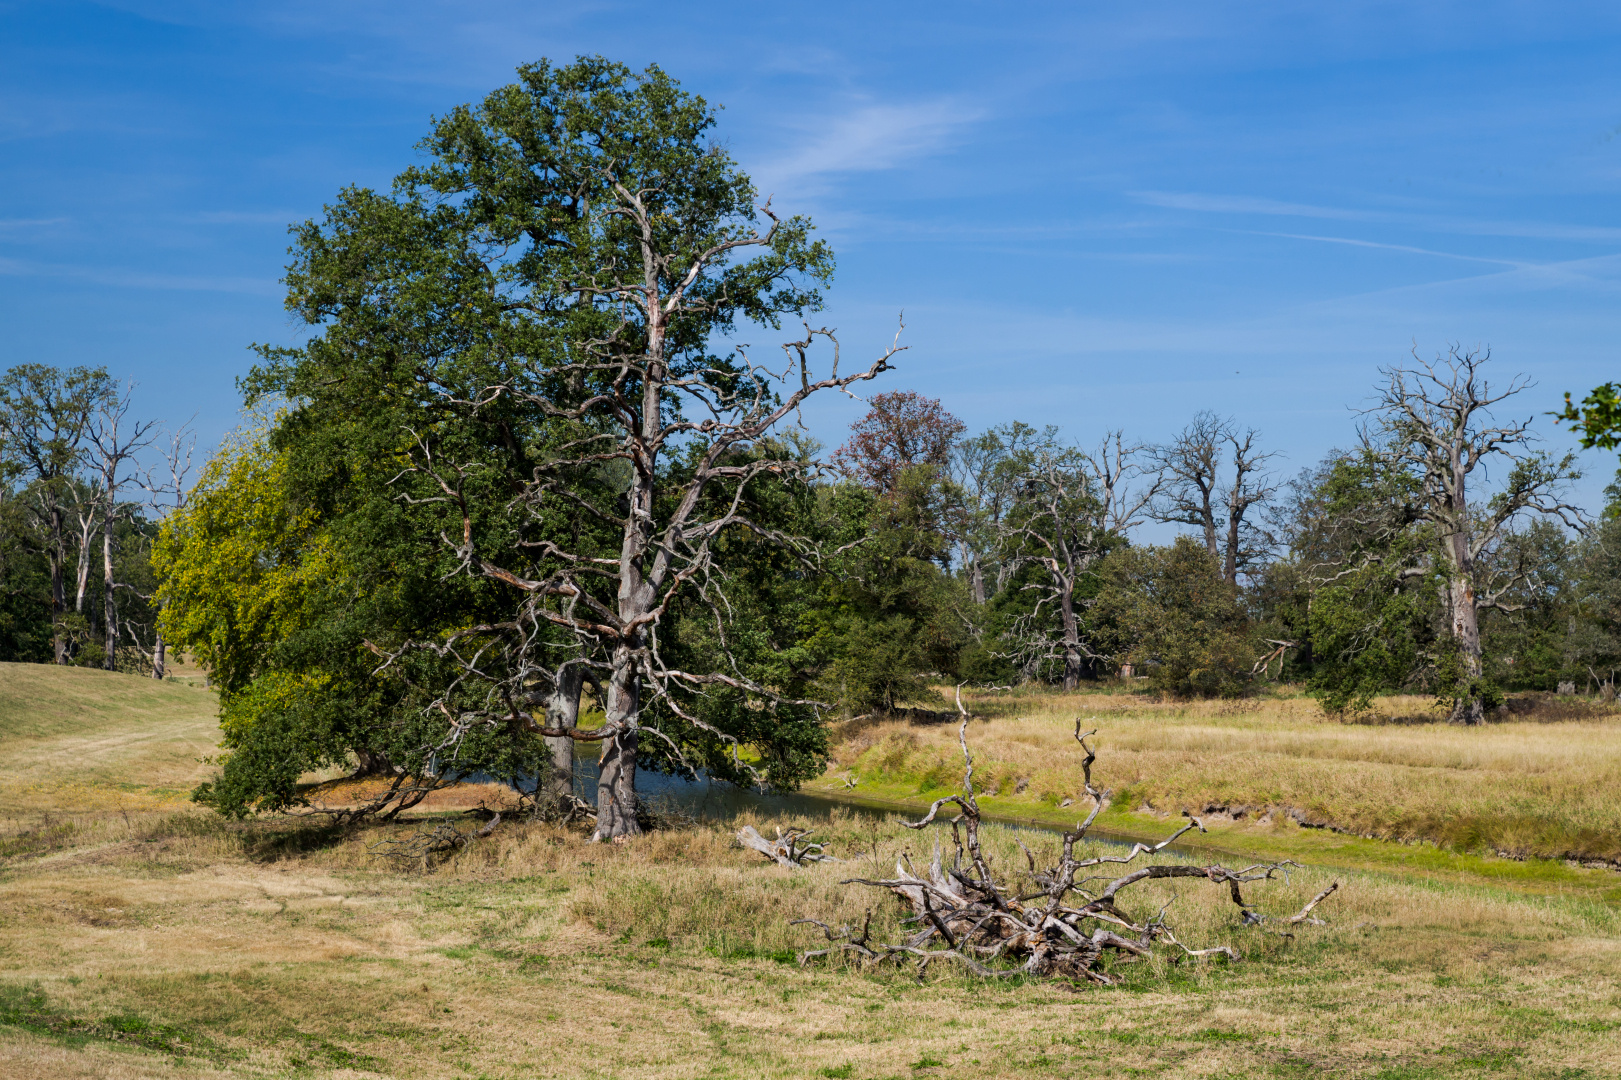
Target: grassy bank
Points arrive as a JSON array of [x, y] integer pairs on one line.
[[89, 739], [1263, 771], [156, 940]]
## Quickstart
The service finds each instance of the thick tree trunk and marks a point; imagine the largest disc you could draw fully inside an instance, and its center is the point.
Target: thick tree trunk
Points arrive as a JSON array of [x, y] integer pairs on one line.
[[616, 777], [1465, 623], [1072, 647], [1229, 567], [109, 605], [562, 711], [977, 576], [638, 586], [371, 763], [1072, 668], [1466, 636], [160, 653]]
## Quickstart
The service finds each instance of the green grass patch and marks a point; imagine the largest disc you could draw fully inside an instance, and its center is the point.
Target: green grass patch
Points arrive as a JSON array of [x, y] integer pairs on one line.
[[28, 1008]]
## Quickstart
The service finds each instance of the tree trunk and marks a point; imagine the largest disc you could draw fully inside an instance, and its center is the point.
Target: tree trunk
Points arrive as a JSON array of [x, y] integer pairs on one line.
[[562, 711], [371, 763], [59, 607], [1229, 568], [159, 658], [1072, 647], [109, 605], [977, 576], [616, 777], [87, 529], [1467, 708]]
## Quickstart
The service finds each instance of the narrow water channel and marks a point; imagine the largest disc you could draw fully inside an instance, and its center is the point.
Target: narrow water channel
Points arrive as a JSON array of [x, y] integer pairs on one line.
[[716, 800]]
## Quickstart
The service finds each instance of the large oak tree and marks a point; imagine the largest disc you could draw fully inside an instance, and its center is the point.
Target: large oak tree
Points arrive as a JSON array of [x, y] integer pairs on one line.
[[551, 306]]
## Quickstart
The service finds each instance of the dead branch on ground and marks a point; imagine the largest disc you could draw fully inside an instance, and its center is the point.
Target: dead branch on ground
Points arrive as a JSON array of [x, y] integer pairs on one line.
[[424, 845], [403, 793], [1056, 927], [786, 849]]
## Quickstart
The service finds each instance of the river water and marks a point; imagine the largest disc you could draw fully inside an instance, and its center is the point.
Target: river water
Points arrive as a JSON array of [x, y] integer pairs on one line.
[[716, 800]]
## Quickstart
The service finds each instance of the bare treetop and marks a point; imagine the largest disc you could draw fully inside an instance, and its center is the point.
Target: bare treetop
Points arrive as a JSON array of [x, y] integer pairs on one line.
[[1198, 490], [1436, 420]]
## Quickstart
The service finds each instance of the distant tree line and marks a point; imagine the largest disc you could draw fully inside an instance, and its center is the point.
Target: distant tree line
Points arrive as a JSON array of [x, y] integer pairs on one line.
[[82, 484], [1392, 565]]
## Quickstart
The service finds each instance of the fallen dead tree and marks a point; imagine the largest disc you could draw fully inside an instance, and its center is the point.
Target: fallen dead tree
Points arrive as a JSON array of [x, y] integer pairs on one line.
[[1055, 926], [788, 849]]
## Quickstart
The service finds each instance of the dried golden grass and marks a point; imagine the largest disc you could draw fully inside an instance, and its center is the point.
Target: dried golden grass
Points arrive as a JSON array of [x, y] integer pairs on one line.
[[1525, 786], [534, 953], [275, 948]]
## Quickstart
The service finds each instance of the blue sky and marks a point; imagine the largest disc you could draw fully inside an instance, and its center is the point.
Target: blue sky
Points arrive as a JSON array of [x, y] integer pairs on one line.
[[1094, 215]]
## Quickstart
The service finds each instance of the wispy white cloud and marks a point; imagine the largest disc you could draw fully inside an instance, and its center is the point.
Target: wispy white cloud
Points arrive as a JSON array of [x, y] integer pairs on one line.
[[1247, 205], [1409, 249], [868, 138], [1244, 204], [29, 223], [137, 279]]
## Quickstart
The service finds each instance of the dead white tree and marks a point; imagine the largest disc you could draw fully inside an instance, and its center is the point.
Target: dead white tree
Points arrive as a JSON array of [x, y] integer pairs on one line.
[[166, 485], [87, 508], [1072, 504], [1199, 491], [114, 441], [1435, 420], [1048, 924], [667, 531]]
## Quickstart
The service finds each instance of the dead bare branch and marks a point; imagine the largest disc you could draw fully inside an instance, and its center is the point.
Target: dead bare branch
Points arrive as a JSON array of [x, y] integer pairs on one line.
[[1057, 931], [788, 849]]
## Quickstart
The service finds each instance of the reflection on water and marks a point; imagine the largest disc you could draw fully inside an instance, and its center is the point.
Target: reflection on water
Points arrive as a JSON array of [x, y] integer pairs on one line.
[[716, 800]]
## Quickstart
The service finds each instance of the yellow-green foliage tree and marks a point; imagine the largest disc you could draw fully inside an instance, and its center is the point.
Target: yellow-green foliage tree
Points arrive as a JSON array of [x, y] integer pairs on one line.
[[289, 593], [243, 571], [241, 566]]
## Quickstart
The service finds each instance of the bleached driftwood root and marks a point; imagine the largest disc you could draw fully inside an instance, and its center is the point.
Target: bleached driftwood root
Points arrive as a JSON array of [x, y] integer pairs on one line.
[[787, 849], [1054, 927]]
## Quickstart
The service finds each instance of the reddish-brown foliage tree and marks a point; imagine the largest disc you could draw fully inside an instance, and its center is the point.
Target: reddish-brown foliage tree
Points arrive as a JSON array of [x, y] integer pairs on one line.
[[903, 429]]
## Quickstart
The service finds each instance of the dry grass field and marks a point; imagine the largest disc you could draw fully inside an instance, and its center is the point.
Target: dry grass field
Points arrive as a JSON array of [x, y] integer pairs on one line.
[[1544, 783], [140, 937]]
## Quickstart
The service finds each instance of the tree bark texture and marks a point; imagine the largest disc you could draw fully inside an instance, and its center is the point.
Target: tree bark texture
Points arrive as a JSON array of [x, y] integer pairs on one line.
[[562, 711], [1072, 645], [1467, 707], [59, 606], [616, 775], [109, 602]]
